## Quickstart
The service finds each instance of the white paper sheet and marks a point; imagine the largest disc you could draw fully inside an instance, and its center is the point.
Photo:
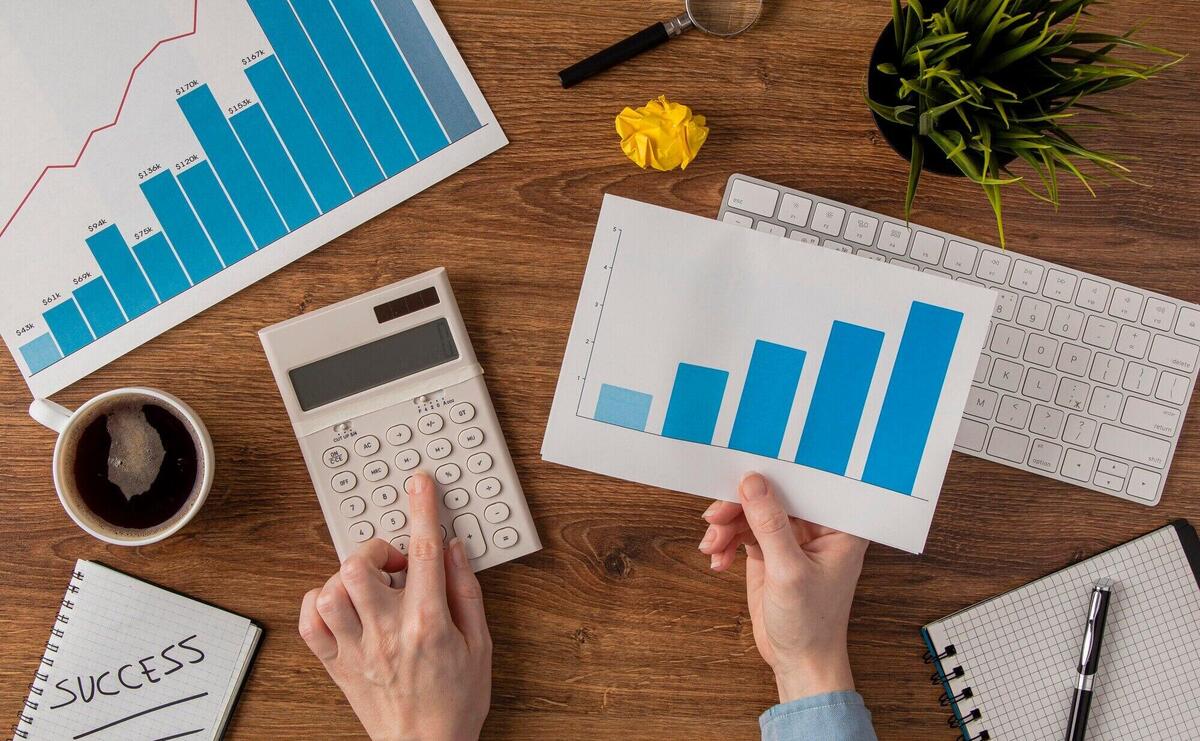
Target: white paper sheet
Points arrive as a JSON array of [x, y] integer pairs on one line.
[[664, 289]]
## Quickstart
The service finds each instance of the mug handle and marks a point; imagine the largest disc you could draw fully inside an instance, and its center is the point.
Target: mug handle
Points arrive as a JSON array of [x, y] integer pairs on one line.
[[54, 416]]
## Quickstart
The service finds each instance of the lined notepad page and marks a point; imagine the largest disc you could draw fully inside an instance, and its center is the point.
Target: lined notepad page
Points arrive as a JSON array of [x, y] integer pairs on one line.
[[1019, 651], [138, 662]]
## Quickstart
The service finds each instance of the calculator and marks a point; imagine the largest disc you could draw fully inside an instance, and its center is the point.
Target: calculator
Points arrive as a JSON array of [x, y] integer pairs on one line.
[[386, 383]]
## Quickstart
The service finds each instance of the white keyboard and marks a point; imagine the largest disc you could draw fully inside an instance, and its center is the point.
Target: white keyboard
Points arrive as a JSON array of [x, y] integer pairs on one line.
[[1082, 379]]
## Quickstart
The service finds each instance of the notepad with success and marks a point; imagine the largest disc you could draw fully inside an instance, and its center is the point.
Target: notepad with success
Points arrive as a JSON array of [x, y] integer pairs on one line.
[[130, 660], [1008, 665]]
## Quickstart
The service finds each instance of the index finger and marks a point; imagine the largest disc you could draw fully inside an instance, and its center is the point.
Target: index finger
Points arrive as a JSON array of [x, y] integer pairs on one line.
[[426, 570]]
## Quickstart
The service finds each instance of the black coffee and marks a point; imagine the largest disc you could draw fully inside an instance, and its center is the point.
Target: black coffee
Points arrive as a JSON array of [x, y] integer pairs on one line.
[[135, 465]]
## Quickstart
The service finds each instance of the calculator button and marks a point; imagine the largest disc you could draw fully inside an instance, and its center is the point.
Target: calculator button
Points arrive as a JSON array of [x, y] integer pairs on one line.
[[409, 483], [407, 460], [472, 437], [336, 456], [488, 488], [462, 413], [362, 531], [466, 529], [344, 482], [430, 423], [393, 521], [399, 434], [496, 512], [353, 507], [447, 473], [366, 446], [505, 537], [400, 543], [384, 495], [375, 471], [479, 463], [439, 449], [456, 499]]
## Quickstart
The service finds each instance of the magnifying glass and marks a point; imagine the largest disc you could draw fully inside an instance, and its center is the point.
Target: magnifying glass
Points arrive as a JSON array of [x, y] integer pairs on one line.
[[723, 18]]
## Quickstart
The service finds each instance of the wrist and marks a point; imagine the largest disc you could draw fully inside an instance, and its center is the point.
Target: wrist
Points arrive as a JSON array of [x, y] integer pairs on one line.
[[814, 676]]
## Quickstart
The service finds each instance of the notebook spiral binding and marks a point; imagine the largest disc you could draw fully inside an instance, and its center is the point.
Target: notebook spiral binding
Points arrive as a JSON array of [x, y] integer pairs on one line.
[[41, 676], [962, 718]]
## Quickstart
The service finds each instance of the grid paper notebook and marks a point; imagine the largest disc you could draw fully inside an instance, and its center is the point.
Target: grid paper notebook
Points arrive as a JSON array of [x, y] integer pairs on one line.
[[1008, 664], [129, 660]]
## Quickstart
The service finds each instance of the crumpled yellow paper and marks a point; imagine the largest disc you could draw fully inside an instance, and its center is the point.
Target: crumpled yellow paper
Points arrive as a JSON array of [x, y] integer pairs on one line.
[[661, 134]]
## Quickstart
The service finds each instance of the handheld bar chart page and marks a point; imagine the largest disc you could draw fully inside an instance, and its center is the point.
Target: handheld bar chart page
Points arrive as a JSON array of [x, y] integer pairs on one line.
[[702, 350], [159, 157]]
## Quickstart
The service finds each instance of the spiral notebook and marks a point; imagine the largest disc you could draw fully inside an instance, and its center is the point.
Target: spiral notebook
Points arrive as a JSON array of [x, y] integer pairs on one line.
[[1008, 665], [129, 660]]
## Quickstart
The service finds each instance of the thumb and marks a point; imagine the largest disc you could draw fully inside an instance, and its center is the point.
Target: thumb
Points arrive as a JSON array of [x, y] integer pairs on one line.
[[769, 522]]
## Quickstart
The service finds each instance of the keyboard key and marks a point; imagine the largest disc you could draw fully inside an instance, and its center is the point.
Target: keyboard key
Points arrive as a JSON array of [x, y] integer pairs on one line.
[[1066, 322], [927, 248], [456, 499], [1059, 285], [352, 506], [1159, 314], [1092, 294], [804, 237], [871, 255], [971, 435], [981, 402], [1073, 359], [1079, 430], [767, 227], [447, 473], [1033, 313], [1039, 384], [1105, 403], [732, 217], [904, 264], [1133, 341], [1008, 445], [488, 488], [400, 543], [1151, 417], [1100, 332], [1047, 421], [466, 529], [1041, 350], [1174, 353], [375, 471], [1188, 324], [1045, 455], [794, 210], [861, 229], [1006, 375], [366, 446], [757, 199], [828, 219], [1106, 369], [981, 367], [1007, 340], [831, 244], [894, 238], [430, 423], [1071, 394], [1108, 481], [496, 512], [1113, 468], [993, 266], [1013, 412], [1139, 378], [505, 537], [393, 521], [462, 412], [1006, 304], [960, 257], [1027, 276], [1143, 484], [1172, 387], [1133, 446], [335, 456], [479, 463], [361, 532], [398, 435], [407, 460], [439, 449], [344, 482], [384, 496], [1078, 465], [1126, 304], [472, 437]]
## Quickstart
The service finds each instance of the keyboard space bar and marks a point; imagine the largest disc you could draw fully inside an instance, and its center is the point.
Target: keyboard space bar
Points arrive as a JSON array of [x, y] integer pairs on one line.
[[1134, 446]]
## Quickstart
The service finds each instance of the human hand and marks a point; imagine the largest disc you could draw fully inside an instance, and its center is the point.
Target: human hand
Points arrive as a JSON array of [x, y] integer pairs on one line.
[[414, 662], [800, 581]]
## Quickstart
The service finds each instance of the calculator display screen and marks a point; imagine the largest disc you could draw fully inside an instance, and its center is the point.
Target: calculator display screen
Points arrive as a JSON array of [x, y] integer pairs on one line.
[[373, 364]]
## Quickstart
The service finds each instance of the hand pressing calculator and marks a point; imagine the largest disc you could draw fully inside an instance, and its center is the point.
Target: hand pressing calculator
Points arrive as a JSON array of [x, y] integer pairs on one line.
[[380, 385]]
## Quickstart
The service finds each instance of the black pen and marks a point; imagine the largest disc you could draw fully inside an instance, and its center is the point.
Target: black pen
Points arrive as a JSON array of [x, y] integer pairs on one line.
[[1089, 659]]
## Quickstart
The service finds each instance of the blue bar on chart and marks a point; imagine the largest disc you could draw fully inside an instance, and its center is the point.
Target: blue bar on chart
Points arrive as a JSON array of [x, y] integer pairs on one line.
[[433, 73], [40, 353], [276, 169], [912, 397], [123, 273], [393, 76], [298, 133], [68, 326], [623, 407], [358, 89], [836, 409], [695, 403], [767, 396], [231, 165], [180, 224], [161, 266], [320, 97], [215, 212], [99, 307]]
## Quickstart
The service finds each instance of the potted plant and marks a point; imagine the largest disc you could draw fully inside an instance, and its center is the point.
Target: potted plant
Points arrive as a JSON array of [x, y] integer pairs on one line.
[[970, 87]]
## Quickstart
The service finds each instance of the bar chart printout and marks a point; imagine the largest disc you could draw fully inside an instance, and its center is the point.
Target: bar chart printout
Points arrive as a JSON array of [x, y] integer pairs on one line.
[[337, 110], [716, 351]]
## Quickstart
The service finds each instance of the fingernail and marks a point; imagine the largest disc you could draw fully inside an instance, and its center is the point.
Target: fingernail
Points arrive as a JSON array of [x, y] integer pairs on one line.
[[709, 536], [458, 552], [712, 564], [754, 486], [712, 510]]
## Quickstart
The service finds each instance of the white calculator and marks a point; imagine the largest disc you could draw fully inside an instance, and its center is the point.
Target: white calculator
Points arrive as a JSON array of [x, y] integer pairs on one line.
[[380, 385]]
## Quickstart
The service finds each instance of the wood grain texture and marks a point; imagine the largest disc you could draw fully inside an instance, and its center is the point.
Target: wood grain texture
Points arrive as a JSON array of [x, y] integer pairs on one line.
[[617, 629]]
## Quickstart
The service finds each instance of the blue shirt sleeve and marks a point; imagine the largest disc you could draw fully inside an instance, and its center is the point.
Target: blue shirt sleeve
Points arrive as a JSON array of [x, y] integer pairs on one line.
[[834, 716]]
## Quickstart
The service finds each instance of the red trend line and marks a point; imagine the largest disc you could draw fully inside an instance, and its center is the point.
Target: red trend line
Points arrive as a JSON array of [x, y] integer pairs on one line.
[[110, 124]]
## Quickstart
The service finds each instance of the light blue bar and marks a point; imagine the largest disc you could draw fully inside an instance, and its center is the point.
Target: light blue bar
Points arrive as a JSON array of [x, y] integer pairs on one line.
[[394, 78], [623, 407], [767, 398], [695, 402], [40, 353], [117, 263], [434, 75], [277, 171], [355, 83], [181, 226], [299, 135], [98, 305], [215, 212], [231, 165], [68, 326], [160, 263], [912, 397], [836, 409], [320, 97]]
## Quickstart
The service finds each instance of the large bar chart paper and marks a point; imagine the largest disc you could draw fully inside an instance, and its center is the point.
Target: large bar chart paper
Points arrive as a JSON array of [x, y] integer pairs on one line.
[[701, 350], [159, 157]]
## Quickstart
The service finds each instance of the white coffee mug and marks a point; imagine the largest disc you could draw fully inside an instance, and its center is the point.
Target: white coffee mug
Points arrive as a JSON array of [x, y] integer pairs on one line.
[[65, 423]]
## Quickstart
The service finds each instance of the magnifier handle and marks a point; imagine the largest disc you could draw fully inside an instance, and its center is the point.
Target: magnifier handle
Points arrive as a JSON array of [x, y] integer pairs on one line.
[[622, 51]]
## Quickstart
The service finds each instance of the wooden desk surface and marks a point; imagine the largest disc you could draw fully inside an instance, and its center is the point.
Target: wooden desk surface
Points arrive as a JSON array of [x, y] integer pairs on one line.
[[617, 629]]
